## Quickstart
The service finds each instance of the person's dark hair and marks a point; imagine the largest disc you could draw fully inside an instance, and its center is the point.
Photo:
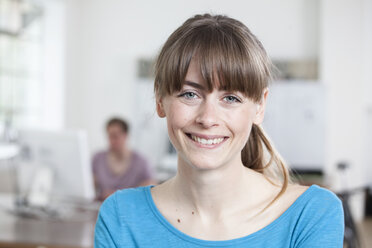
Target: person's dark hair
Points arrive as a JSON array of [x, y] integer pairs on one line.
[[230, 58], [120, 122]]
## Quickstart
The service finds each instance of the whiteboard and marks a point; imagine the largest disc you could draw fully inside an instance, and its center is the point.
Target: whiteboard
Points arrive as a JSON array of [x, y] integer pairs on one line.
[[295, 122]]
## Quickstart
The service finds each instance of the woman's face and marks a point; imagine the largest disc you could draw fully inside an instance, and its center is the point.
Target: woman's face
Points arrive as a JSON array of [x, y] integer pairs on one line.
[[208, 130], [117, 138]]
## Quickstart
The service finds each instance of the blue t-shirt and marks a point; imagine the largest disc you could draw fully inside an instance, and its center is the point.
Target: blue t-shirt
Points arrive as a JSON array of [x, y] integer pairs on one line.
[[129, 218]]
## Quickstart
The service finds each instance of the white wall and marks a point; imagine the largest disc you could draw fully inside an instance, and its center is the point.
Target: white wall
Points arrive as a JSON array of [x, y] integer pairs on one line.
[[106, 37], [367, 62], [53, 44], [344, 31], [295, 122]]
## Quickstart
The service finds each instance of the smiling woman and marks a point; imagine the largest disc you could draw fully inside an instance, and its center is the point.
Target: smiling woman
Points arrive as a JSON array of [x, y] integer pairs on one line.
[[213, 125], [232, 189]]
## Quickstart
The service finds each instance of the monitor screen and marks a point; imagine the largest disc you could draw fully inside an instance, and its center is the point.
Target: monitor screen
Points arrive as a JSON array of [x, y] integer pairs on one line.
[[66, 153]]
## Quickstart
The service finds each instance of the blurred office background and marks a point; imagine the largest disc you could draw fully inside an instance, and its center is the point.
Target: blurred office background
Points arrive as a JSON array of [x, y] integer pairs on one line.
[[66, 66]]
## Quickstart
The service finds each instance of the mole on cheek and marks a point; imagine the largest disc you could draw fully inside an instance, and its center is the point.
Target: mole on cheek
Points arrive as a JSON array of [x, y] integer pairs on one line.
[[192, 212], [179, 221]]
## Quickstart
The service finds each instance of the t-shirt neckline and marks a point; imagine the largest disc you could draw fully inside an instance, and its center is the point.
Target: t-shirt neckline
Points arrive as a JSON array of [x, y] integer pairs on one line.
[[186, 237]]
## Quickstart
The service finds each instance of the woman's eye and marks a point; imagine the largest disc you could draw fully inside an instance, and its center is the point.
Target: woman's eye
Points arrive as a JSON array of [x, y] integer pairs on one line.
[[231, 99], [188, 95]]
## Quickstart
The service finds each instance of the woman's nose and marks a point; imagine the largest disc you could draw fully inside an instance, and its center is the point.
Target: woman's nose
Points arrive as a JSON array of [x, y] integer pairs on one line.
[[207, 115]]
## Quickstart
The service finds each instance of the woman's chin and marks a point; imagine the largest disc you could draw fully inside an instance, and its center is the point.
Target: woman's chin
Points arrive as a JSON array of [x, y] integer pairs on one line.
[[205, 165]]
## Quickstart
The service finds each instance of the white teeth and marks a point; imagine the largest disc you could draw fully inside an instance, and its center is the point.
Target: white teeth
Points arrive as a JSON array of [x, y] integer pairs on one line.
[[207, 141]]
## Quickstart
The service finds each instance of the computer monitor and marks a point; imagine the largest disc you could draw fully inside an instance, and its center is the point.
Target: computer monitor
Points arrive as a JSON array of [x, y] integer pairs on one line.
[[66, 153]]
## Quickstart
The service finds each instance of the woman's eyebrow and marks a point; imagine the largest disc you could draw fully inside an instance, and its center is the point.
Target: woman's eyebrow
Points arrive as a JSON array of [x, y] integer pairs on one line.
[[195, 85]]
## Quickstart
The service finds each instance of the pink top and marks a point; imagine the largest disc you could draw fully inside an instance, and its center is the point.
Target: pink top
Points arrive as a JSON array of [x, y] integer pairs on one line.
[[137, 172]]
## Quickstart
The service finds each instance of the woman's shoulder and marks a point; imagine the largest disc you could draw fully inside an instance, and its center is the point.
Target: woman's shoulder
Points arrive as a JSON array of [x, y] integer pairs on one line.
[[313, 195], [319, 218], [316, 194], [117, 212], [132, 194], [313, 201], [315, 204], [126, 199]]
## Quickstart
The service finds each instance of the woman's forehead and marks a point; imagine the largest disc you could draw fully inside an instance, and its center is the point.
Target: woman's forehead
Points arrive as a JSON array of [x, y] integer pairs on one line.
[[194, 70], [200, 75]]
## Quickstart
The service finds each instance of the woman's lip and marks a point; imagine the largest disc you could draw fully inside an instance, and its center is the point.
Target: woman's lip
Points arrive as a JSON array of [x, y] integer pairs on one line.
[[208, 146], [203, 136]]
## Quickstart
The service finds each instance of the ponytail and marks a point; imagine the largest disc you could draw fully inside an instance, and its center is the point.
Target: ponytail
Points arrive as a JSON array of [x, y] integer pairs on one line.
[[260, 155]]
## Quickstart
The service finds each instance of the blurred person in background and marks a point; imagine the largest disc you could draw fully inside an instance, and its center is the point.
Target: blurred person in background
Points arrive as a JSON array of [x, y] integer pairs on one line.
[[119, 167]]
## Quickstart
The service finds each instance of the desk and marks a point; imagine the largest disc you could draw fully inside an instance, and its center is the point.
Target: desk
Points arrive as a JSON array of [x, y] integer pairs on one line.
[[17, 231]]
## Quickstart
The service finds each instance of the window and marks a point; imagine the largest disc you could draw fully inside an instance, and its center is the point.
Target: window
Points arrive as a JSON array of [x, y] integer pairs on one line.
[[21, 30]]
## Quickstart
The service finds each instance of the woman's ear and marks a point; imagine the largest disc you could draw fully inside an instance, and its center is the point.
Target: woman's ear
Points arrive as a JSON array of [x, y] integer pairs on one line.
[[261, 106], [160, 107]]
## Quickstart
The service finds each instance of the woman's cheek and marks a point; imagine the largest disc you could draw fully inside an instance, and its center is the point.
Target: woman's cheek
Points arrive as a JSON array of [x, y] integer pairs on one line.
[[242, 122], [180, 115]]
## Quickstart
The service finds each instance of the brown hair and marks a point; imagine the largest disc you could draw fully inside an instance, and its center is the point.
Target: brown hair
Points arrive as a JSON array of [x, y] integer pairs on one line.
[[120, 122], [230, 58]]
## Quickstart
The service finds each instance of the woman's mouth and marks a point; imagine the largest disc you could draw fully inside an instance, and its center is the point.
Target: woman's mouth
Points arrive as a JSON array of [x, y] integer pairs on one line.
[[210, 141]]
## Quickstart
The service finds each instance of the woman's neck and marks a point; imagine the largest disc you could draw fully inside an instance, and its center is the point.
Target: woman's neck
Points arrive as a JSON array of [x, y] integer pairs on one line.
[[216, 192]]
